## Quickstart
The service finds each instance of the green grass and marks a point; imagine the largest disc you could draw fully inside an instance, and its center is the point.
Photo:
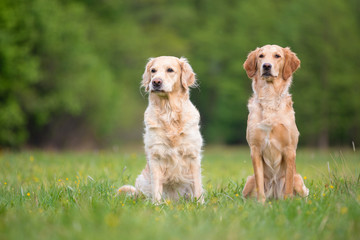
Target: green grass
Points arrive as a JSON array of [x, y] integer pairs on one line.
[[67, 195]]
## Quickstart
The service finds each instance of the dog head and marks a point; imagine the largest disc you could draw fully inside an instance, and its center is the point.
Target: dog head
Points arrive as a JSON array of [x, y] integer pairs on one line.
[[165, 75], [271, 62]]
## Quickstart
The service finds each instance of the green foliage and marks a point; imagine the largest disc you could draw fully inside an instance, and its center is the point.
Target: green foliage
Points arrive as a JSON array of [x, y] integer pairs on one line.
[[73, 196], [70, 70]]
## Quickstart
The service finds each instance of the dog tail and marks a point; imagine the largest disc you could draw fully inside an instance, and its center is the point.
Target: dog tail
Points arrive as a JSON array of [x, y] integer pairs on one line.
[[128, 189]]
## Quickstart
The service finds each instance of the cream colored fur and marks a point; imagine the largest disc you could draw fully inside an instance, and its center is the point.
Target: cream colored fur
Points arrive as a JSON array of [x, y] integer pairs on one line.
[[271, 130], [172, 136]]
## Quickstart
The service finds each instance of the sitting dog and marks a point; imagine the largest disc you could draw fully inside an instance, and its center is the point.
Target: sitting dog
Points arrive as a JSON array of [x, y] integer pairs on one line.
[[172, 136], [271, 130]]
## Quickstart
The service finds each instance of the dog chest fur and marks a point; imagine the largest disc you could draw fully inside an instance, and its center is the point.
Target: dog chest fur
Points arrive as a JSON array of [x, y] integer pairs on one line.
[[266, 120], [174, 142]]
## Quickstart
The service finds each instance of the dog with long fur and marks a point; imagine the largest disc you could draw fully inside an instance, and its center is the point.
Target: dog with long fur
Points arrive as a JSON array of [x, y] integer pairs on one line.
[[172, 134], [271, 130]]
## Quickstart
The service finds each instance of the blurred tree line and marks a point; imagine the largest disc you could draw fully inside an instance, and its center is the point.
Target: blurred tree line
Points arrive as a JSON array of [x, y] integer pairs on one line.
[[70, 70]]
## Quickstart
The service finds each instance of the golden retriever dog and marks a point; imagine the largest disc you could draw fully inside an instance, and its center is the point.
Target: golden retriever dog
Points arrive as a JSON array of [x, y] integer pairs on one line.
[[271, 130], [172, 134]]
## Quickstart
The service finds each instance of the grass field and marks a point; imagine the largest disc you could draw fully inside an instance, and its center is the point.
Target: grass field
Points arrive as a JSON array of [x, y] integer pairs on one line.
[[72, 195]]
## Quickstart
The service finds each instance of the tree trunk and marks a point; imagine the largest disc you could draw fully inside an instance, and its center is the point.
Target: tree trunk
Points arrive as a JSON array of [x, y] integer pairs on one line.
[[323, 141]]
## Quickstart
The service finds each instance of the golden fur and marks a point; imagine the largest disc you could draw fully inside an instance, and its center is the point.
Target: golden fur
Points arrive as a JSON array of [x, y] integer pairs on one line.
[[172, 136], [271, 130]]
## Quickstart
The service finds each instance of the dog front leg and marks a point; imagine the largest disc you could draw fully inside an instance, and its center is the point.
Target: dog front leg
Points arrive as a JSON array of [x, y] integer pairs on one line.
[[259, 173], [197, 187], [289, 158], [156, 184]]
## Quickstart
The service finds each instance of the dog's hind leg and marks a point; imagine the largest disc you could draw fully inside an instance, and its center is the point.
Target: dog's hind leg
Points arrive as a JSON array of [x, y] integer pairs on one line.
[[299, 186], [127, 189], [142, 185], [249, 187]]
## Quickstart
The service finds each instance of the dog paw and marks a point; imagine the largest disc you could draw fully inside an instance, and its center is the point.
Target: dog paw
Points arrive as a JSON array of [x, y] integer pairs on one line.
[[157, 203], [262, 200], [306, 191], [201, 200]]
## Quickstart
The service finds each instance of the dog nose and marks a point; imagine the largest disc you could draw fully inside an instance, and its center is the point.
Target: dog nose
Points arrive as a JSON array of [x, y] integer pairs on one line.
[[266, 66], [156, 82]]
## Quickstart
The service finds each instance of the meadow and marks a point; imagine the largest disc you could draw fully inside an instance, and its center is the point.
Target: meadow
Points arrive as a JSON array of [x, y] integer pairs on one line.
[[72, 195]]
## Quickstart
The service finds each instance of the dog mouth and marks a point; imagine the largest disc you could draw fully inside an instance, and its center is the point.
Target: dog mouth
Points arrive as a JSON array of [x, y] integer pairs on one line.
[[267, 75], [157, 91]]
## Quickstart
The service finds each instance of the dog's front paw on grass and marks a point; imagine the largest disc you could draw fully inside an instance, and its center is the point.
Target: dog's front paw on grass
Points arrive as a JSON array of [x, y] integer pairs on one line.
[[200, 200], [289, 196], [261, 200]]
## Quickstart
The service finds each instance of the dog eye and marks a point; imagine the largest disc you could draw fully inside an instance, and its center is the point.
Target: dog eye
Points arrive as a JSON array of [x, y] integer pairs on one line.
[[153, 70], [261, 56], [170, 70], [277, 56]]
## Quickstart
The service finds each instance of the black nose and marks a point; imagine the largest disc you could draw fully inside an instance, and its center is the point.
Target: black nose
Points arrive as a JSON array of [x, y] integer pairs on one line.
[[157, 83], [266, 66]]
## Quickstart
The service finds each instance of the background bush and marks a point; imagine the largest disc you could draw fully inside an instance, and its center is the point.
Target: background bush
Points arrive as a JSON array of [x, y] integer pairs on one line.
[[70, 69]]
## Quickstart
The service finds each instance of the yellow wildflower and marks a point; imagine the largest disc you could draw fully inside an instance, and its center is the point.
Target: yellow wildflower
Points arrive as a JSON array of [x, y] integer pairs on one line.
[[28, 194], [305, 177], [343, 210], [236, 195], [5, 183], [323, 194], [67, 179], [331, 186]]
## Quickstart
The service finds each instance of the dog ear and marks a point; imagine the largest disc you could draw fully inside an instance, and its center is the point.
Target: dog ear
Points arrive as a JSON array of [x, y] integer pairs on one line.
[[250, 63], [292, 63], [187, 74], [146, 77]]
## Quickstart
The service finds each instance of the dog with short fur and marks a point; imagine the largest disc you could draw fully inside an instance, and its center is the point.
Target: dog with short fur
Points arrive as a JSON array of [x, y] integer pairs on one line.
[[172, 136], [271, 130]]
